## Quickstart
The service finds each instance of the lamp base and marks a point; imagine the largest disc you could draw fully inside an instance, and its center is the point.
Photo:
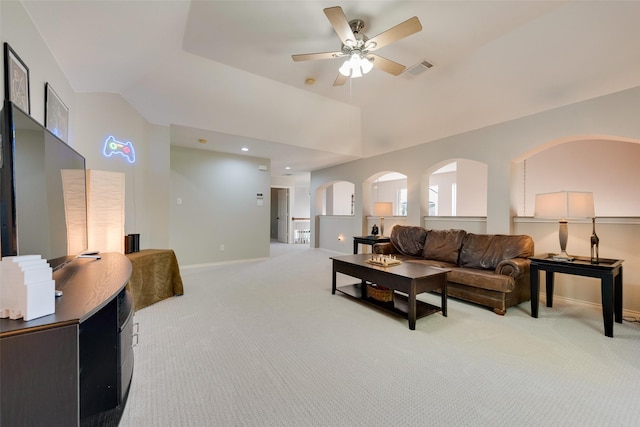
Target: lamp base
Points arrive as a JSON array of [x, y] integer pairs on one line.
[[563, 234], [562, 256]]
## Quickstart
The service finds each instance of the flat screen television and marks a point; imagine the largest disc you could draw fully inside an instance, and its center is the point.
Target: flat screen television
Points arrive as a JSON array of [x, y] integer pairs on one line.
[[43, 191]]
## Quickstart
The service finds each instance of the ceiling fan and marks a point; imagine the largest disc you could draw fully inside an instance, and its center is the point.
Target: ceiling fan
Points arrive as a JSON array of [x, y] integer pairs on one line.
[[357, 47]]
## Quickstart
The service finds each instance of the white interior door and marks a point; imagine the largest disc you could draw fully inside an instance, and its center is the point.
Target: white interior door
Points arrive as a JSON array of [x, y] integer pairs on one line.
[[283, 215]]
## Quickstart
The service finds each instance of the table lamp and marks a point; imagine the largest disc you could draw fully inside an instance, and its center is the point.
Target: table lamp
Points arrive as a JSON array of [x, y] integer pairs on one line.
[[564, 205], [382, 209]]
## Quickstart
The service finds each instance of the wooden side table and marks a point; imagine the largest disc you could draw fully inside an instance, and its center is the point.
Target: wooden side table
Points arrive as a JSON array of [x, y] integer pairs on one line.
[[368, 240], [609, 271]]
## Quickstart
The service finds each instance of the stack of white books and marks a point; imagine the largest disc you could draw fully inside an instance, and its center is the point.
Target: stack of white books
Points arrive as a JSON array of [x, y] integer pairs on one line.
[[27, 288]]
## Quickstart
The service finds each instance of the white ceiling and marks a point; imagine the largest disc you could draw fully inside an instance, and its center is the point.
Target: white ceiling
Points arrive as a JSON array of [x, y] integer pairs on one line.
[[185, 63]]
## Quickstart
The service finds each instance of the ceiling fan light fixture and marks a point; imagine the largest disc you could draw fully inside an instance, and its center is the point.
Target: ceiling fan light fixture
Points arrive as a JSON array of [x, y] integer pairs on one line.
[[366, 64], [356, 45], [356, 66], [356, 72], [345, 69]]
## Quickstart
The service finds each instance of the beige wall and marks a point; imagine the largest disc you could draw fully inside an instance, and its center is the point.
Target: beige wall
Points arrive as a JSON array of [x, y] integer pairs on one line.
[[608, 168], [500, 147], [100, 116], [218, 206]]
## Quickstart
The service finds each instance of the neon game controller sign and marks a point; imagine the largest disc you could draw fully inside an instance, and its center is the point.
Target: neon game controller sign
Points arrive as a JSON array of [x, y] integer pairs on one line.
[[125, 149]]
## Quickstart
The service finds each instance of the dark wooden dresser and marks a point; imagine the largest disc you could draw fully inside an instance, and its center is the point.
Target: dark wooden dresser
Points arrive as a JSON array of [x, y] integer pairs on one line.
[[73, 366]]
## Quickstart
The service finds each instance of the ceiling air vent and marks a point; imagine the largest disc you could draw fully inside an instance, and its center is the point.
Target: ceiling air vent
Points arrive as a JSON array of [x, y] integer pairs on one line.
[[417, 69]]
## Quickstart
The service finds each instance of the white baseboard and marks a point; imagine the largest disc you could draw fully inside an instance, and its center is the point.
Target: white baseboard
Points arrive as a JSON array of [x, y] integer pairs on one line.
[[625, 313], [213, 264]]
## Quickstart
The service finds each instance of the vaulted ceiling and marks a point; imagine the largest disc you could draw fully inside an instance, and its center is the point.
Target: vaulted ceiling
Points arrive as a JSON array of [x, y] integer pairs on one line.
[[222, 70]]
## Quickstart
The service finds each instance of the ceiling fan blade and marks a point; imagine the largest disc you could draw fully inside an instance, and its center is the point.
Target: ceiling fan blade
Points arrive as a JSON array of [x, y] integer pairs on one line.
[[387, 65], [340, 24], [400, 31], [313, 56], [340, 80]]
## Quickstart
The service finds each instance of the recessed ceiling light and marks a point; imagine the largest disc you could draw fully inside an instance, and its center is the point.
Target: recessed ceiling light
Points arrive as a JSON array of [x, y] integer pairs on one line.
[[244, 149], [288, 168]]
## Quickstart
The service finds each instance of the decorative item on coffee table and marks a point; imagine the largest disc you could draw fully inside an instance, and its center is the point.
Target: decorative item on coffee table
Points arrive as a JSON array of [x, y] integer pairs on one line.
[[384, 260]]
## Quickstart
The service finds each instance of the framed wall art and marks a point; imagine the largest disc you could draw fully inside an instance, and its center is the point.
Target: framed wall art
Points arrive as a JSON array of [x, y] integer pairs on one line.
[[56, 114], [16, 80]]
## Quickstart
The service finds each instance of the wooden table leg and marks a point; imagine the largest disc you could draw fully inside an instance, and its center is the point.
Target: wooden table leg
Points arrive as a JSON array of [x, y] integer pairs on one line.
[[333, 283], [607, 304], [411, 302], [443, 302], [549, 278], [535, 288], [617, 297]]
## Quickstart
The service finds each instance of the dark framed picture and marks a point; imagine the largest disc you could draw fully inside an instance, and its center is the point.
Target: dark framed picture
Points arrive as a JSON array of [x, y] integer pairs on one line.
[[16, 80], [56, 114]]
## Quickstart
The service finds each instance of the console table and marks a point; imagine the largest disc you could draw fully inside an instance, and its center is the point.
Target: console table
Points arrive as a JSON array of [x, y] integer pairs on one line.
[[72, 367], [155, 276], [368, 240], [609, 271]]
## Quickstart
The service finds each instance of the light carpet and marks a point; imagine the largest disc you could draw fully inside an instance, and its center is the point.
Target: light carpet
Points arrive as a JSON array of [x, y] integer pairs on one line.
[[264, 343]]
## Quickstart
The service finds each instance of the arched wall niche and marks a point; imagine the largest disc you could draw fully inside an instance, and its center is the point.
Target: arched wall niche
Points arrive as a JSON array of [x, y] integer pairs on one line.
[[603, 164], [385, 186], [335, 198], [458, 184]]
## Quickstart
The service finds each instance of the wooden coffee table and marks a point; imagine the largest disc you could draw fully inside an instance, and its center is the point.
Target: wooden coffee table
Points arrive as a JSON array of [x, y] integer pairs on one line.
[[408, 278]]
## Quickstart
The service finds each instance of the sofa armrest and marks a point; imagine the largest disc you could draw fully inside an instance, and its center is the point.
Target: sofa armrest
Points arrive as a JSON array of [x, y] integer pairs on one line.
[[515, 267], [384, 249]]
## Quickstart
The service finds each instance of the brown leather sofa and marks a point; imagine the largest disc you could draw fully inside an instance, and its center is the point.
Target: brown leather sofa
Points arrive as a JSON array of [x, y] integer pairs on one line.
[[486, 269]]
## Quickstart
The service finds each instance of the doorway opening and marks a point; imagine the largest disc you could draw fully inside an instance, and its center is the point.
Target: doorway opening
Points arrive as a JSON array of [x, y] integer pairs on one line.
[[280, 224]]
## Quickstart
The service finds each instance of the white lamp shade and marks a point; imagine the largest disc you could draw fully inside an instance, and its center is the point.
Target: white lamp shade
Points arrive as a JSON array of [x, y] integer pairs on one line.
[[366, 65], [345, 70], [382, 209], [564, 205]]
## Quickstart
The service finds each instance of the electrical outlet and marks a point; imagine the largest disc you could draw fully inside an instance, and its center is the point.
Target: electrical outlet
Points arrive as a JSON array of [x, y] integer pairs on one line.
[[179, 201], [222, 248]]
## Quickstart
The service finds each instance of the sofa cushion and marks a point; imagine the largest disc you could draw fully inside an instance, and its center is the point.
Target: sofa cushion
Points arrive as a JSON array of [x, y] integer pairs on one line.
[[487, 250], [480, 278], [408, 239], [443, 245]]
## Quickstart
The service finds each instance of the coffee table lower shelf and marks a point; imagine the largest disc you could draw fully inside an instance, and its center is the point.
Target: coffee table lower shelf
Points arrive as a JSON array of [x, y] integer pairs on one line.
[[398, 306]]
